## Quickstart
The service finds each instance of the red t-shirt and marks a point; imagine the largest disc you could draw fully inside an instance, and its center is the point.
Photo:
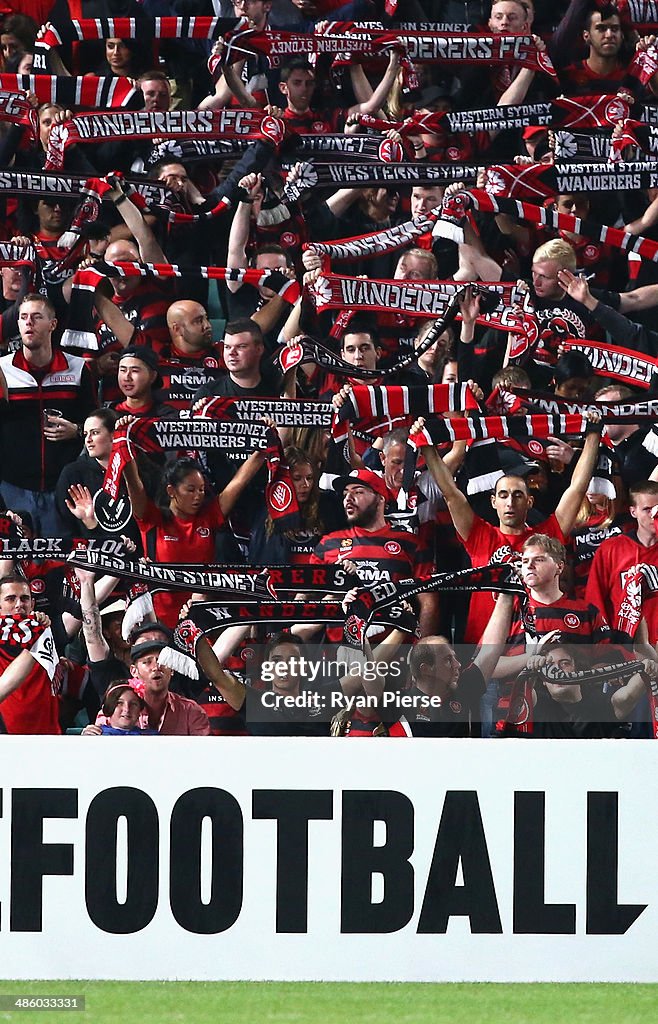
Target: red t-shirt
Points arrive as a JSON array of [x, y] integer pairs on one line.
[[171, 539], [487, 543], [32, 709], [605, 586]]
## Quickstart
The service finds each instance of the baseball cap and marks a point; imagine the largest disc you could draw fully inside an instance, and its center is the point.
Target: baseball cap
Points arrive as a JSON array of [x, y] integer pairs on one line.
[[534, 129], [147, 356], [139, 650], [365, 477], [433, 94], [146, 627]]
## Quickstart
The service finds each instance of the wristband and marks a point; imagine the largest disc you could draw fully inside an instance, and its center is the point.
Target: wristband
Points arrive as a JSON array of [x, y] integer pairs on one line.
[[121, 199]]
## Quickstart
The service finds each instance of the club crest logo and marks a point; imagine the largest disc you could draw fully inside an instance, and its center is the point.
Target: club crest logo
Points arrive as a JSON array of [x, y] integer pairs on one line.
[[273, 129], [390, 152], [281, 496], [291, 356]]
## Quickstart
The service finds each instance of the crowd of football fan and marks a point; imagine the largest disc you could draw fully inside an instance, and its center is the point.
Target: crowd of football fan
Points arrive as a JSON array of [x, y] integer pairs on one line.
[[471, 504]]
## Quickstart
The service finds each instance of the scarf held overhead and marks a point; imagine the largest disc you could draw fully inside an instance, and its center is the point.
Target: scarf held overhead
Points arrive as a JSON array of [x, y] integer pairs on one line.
[[264, 581], [421, 47], [80, 332], [177, 124], [421, 299], [373, 602], [621, 364]]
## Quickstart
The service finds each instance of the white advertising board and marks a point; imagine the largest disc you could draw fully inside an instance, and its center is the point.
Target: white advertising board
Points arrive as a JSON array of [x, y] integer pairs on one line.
[[298, 859]]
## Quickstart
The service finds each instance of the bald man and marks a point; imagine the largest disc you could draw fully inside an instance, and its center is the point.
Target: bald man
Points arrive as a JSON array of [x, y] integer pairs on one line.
[[190, 359], [189, 328]]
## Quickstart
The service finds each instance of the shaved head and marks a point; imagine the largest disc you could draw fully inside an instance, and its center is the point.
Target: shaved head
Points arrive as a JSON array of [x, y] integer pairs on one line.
[[189, 326]]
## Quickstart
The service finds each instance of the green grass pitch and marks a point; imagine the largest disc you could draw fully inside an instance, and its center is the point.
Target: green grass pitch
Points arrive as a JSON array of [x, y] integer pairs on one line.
[[337, 1003]]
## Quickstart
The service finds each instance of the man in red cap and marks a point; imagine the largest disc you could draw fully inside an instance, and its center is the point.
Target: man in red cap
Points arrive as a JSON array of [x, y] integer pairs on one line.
[[379, 553]]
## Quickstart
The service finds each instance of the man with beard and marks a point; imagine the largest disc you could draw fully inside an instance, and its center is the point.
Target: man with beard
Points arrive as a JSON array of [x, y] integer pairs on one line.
[[190, 360], [378, 552]]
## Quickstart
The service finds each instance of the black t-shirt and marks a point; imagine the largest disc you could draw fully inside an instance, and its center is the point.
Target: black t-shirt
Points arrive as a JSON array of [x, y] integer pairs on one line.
[[322, 701], [592, 717], [452, 718]]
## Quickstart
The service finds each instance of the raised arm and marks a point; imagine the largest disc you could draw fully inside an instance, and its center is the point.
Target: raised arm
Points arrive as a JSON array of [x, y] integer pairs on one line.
[[237, 86], [369, 100], [231, 688], [237, 484], [460, 511], [625, 699], [492, 641], [149, 249], [570, 502], [239, 233], [97, 646], [136, 491], [121, 327]]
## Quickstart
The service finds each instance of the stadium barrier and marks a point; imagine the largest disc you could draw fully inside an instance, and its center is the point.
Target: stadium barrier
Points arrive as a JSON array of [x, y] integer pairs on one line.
[[320, 859]]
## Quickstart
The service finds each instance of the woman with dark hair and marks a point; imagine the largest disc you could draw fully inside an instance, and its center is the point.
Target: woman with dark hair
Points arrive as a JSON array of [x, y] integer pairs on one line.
[[80, 481], [17, 36], [123, 706], [121, 59], [295, 546], [184, 530]]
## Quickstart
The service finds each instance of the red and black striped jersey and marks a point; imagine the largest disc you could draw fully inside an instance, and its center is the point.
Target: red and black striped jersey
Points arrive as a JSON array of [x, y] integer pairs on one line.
[[578, 79], [311, 122], [384, 555], [380, 555], [576, 622], [584, 542]]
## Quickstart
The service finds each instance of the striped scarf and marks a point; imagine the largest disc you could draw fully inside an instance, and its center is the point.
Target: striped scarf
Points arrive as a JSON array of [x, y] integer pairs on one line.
[[423, 299], [621, 364], [176, 124], [80, 331], [339, 38], [372, 603], [267, 582], [83, 91], [537, 425], [580, 111]]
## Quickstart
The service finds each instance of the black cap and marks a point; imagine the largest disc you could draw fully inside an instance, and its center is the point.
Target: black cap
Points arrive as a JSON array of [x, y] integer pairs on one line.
[[147, 356], [146, 627], [432, 94], [139, 650]]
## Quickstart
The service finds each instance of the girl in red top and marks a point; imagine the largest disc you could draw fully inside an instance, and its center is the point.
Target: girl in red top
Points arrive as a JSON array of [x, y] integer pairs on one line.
[[185, 531]]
